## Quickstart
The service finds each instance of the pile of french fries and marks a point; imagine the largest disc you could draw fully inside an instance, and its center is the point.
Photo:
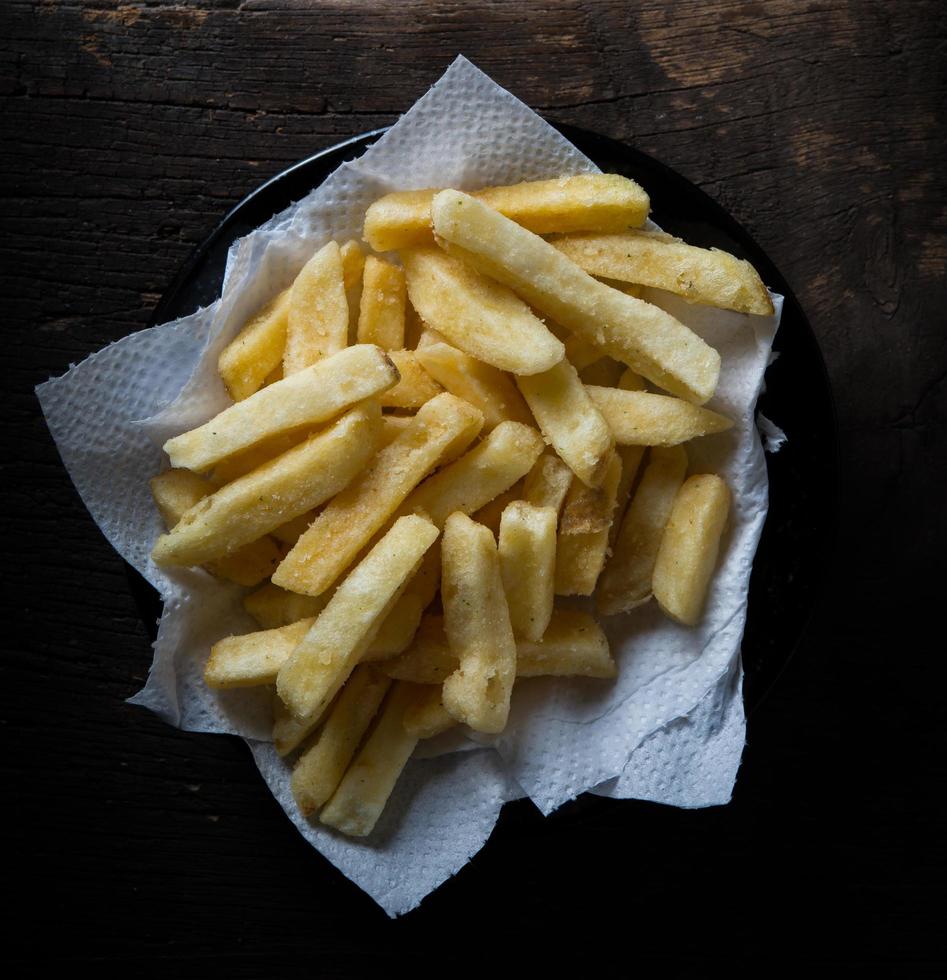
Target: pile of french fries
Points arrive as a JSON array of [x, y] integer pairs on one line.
[[429, 444]]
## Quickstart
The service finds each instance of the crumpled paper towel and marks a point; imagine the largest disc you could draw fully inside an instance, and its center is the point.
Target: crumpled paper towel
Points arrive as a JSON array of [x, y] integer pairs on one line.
[[670, 728]]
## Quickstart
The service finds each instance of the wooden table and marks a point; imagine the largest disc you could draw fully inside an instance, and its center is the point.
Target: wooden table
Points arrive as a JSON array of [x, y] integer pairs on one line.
[[128, 131]]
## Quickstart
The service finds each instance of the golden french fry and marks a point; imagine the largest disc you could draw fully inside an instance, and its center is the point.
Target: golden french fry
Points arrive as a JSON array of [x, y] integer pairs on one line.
[[636, 333], [312, 395], [640, 418], [290, 532], [585, 202], [689, 547], [288, 732], [244, 462], [477, 623], [573, 645], [580, 554], [490, 514], [381, 313], [278, 491], [253, 659], [353, 264], [700, 275], [629, 381], [318, 322], [345, 629], [491, 467], [321, 767], [427, 715], [272, 606], [358, 802], [483, 385], [630, 457], [397, 628], [626, 581], [527, 551], [350, 519], [476, 314], [548, 482], [391, 427], [275, 375], [415, 387], [605, 372], [176, 491], [570, 421], [581, 353], [246, 363]]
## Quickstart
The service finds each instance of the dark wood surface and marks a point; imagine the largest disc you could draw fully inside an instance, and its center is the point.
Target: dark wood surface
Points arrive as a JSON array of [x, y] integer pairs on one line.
[[128, 131]]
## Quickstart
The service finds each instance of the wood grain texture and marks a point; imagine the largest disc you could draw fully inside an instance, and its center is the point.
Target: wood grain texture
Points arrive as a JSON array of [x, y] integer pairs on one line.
[[129, 129]]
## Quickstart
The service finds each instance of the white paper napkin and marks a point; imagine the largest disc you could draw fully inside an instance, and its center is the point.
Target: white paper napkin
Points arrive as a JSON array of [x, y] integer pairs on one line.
[[670, 728]]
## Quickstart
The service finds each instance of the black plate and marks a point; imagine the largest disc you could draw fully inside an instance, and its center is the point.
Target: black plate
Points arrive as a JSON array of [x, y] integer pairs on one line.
[[799, 534]]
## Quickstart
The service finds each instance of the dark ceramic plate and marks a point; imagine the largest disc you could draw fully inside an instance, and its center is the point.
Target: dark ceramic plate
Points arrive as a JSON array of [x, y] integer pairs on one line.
[[800, 529]]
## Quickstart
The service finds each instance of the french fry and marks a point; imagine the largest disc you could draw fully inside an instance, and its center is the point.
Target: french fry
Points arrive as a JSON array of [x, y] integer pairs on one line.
[[484, 386], [477, 315], [488, 469], [397, 628], [358, 802], [278, 491], [636, 333], [275, 375], [587, 202], [427, 715], [700, 275], [321, 767], [246, 461], [289, 732], [176, 491], [247, 361], [573, 645], [312, 395], [349, 520], [548, 482], [381, 312], [318, 323], [570, 421], [581, 353], [254, 659], [630, 381], [353, 264], [580, 554], [689, 547], [345, 629], [527, 551], [640, 418], [273, 607], [413, 327], [630, 457], [391, 427], [290, 531], [477, 623], [490, 514], [626, 581], [415, 387]]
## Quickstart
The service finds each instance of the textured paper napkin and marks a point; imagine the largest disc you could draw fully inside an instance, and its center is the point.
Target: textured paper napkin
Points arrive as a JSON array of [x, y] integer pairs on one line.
[[670, 728]]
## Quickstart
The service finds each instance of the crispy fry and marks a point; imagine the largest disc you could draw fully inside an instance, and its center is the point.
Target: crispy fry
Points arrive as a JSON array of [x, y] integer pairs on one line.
[[247, 361], [630, 457], [312, 395], [700, 275], [640, 418], [272, 606], [626, 581], [350, 519], [580, 554], [344, 630], [490, 514], [397, 629], [548, 482], [290, 531], [353, 265], [321, 767], [477, 315], [278, 491], [527, 551], [491, 467], [318, 324], [357, 804], [581, 353], [477, 623], [176, 491], [391, 427], [570, 421], [415, 387], [381, 313], [484, 386], [573, 645], [427, 715], [588, 202], [634, 332], [253, 659], [689, 547]]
